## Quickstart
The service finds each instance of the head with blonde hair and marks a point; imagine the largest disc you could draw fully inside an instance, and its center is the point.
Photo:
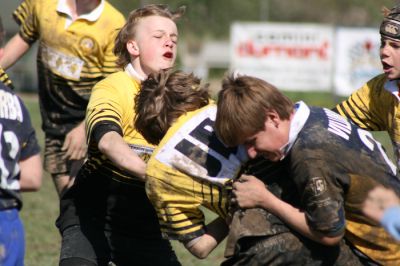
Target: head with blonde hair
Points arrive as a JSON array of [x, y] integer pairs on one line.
[[243, 103], [130, 30], [163, 98]]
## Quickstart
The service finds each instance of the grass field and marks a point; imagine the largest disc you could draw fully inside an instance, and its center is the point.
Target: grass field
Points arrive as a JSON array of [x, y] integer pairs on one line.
[[41, 208]]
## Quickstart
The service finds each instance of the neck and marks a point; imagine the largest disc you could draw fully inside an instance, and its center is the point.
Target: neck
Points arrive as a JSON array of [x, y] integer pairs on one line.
[[81, 7]]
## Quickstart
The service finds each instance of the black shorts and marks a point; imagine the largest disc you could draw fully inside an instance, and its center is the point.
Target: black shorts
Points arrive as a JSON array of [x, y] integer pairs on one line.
[[102, 247]]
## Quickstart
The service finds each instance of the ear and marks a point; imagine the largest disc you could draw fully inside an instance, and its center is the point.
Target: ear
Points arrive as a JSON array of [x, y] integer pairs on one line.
[[132, 47], [273, 118]]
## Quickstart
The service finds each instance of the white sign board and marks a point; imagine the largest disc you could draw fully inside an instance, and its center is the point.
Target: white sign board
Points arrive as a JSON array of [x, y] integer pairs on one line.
[[357, 58], [289, 56]]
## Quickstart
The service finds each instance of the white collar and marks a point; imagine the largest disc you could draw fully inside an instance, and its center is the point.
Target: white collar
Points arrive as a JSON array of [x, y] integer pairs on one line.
[[302, 112], [133, 73], [94, 15], [392, 86]]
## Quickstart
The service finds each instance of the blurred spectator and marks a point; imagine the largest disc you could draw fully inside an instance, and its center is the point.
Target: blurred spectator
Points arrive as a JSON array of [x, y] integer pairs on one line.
[[76, 39]]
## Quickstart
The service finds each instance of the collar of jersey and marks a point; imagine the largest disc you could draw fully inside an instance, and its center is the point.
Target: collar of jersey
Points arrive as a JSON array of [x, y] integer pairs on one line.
[[392, 86], [133, 73], [62, 7], [302, 112]]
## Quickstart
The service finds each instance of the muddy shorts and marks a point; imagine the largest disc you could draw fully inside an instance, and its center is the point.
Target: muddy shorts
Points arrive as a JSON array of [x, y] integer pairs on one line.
[[290, 249], [54, 162]]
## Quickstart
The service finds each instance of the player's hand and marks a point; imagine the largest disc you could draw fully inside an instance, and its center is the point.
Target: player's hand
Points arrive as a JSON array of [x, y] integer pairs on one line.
[[378, 200], [75, 143], [249, 192]]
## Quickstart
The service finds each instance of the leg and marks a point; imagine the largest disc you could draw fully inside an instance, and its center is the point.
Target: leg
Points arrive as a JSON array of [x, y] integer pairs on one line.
[[127, 250], [12, 239], [63, 171], [81, 247]]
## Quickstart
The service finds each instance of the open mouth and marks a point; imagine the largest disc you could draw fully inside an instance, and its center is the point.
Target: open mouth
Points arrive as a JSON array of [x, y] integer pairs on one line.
[[386, 66], [168, 55]]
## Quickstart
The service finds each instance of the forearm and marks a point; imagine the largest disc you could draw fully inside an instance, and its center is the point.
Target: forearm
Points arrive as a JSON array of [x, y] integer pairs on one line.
[[202, 246], [31, 173], [296, 219], [15, 48], [117, 150]]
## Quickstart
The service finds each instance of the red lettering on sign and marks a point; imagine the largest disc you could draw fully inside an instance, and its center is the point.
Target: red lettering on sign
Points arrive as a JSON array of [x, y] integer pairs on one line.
[[249, 49]]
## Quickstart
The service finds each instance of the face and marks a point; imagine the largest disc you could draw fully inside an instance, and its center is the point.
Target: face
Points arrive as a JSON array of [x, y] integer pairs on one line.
[[269, 141], [390, 57], [155, 43]]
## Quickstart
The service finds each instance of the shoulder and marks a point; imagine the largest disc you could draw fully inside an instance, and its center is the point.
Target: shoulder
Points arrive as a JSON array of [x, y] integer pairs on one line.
[[375, 85], [112, 14], [116, 79], [119, 83], [49, 5]]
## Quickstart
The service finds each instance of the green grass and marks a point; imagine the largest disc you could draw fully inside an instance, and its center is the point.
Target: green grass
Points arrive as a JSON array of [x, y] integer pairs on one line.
[[41, 208]]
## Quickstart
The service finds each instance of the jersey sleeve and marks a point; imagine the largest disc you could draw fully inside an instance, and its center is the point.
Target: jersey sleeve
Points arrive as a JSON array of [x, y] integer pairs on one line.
[[30, 146], [25, 15], [5, 79], [104, 112], [364, 106], [321, 195]]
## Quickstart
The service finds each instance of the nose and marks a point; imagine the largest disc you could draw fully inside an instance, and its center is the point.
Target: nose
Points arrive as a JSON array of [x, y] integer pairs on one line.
[[384, 51], [169, 42]]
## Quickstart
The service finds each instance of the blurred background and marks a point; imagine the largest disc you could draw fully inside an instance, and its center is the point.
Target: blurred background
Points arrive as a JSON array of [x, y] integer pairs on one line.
[[206, 44], [315, 50]]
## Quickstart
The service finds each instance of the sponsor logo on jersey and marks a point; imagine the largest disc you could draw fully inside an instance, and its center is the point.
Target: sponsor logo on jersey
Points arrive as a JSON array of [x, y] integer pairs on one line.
[[64, 65], [86, 45], [318, 185]]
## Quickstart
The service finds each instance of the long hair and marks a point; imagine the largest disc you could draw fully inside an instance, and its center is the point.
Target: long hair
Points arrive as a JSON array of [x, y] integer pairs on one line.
[[163, 98], [128, 31]]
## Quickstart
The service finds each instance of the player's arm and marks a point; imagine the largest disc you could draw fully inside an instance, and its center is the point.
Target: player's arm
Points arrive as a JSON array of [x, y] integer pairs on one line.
[[15, 48], [31, 173], [202, 246], [364, 106], [112, 145], [104, 123], [251, 192]]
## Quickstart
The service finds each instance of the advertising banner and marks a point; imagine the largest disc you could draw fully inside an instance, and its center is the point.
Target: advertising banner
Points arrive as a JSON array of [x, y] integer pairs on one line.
[[289, 56], [356, 58]]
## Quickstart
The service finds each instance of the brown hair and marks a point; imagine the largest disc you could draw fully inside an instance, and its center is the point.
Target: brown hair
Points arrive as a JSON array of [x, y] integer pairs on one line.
[[128, 31], [163, 98], [242, 105]]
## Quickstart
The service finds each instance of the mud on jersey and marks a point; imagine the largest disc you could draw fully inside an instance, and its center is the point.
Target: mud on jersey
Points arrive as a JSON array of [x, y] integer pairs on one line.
[[191, 168], [17, 142], [333, 190]]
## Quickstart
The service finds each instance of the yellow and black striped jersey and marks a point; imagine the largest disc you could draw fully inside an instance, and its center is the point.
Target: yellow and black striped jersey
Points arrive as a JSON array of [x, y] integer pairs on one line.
[[5, 79], [375, 106], [110, 196], [111, 107], [191, 168], [71, 57]]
